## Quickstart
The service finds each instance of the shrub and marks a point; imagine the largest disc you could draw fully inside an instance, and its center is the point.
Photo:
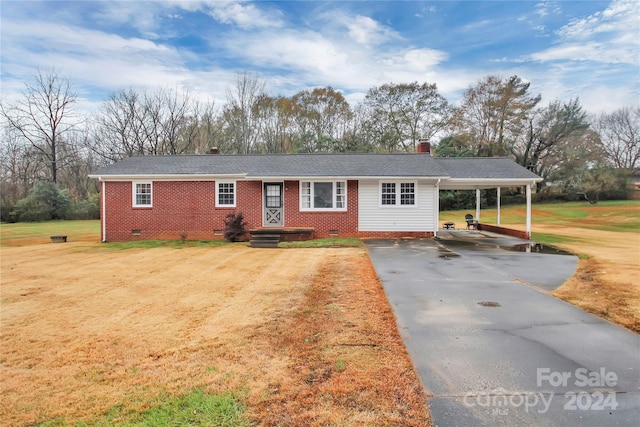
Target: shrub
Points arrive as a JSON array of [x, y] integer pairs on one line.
[[45, 202], [85, 209], [235, 227]]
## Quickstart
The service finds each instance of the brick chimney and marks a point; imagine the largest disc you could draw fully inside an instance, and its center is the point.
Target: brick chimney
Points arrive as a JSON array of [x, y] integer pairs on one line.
[[424, 146], [214, 150]]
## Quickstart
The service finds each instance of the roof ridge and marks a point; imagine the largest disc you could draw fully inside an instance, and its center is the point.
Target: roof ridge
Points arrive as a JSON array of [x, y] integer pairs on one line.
[[475, 158], [275, 154]]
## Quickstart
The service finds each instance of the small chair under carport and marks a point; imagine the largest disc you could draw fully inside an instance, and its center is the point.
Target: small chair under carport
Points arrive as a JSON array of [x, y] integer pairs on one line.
[[470, 222]]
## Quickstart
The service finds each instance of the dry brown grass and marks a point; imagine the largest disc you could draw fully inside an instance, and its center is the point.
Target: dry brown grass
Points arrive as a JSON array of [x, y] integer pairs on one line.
[[306, 336], [589, 290], [606, 281]]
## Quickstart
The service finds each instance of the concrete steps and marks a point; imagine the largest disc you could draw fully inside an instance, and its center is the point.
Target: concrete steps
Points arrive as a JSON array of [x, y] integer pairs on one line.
[[268, 237], [264, 240]]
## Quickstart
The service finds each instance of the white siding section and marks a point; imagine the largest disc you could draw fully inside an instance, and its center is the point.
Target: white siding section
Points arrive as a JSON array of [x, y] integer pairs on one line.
[[373, 217]]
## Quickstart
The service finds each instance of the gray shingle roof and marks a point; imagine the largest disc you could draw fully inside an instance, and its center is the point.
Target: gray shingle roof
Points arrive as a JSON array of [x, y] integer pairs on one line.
[[279, 165], [317, 165], [484, 168]]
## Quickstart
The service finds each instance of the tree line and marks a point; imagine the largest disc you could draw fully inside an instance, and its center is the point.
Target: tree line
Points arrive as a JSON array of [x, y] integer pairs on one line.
[[49, 146]]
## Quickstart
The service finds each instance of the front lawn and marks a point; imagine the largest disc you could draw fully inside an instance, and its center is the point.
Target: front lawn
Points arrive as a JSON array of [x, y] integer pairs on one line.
[[100, 334]]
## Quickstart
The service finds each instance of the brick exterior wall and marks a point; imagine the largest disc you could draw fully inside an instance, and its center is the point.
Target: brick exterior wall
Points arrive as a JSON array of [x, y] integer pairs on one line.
[[178, 207], [503, 230], [189, 207], [396, 234]]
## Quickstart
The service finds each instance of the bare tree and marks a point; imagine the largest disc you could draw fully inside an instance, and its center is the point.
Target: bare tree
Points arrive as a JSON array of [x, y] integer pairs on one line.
[[19, 168], [241, 117], [620, 135], [163, 121], [45, 116], [555, 141], [276, 116], [321, 116], [401, 114], [118, 132], [592, 182], [492, 112]]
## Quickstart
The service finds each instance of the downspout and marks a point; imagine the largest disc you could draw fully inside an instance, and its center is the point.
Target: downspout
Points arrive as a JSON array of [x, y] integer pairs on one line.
[[437, 205], [104, 211], [498, 210], [528, 226]]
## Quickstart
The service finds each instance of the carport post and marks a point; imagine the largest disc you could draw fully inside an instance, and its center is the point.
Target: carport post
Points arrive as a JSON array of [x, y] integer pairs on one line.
[[498, 205], [528, 227], [478, 204]]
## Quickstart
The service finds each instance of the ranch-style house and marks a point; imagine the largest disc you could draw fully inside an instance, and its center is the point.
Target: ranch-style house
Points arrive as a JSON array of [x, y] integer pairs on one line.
[[354, 195]]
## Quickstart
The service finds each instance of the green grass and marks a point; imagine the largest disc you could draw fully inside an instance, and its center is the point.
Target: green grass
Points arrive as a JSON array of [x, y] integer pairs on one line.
[[89, 230], [551, 239], [617, 216], [196, 408], [332, 242], [37, 230]]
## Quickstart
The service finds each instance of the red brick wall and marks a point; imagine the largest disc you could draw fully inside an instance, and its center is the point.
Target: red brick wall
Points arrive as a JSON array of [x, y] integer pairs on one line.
[[503, 230], [177, 207], [189, 207], [395, 234]]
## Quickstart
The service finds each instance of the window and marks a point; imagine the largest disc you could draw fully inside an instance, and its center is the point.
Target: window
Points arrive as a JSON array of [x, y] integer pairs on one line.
[[273, 195], [388, 193], [407, 193], [142, 195], [397, 193], [226, 194], [305, 195], [341, 195], [323, 195]]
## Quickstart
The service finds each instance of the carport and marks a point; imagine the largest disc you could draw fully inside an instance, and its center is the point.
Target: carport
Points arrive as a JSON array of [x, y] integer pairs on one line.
[[466, 174]]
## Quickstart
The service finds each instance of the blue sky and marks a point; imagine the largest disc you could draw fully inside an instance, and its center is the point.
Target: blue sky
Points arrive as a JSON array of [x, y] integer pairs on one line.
[[589, 49]]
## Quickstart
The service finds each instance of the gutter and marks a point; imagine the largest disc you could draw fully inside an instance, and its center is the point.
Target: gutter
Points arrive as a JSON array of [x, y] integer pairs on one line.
[[167, 177]]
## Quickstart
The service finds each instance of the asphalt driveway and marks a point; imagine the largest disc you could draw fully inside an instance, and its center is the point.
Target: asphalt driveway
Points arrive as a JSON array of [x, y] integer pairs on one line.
[[493, 347]]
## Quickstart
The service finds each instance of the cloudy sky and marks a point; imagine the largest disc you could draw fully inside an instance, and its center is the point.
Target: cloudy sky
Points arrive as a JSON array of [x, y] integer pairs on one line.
[[588, 49]]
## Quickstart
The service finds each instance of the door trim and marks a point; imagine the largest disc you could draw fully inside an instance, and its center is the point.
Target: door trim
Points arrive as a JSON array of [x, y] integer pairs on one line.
[[264, 203]]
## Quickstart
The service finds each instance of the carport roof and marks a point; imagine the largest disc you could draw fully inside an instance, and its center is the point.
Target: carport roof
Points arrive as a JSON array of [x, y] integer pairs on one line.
[[351, 165], [484, 172]]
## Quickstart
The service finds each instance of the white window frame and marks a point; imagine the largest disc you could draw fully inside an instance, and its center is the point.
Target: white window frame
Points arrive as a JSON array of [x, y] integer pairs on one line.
[[398, 194], [134, 191], [235, 194], [333, 192]]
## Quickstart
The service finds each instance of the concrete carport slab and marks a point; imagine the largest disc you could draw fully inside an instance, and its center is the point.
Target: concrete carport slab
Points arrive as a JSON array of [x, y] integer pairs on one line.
[[493, 347]]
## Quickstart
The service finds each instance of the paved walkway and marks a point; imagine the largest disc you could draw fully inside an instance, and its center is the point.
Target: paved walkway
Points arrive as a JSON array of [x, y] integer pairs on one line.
[[493, 347]]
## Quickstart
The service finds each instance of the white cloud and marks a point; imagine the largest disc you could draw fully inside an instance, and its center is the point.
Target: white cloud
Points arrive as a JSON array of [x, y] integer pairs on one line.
[[620, 17], [61, 37], [365, 30], [320, 59], [543, 9], [91, 59], [590, 51], [142, 16], [329, 44], [244, 15], [610, 36]]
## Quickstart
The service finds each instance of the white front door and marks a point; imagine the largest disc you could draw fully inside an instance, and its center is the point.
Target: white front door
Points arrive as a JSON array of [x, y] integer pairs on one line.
[[273, 205]]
